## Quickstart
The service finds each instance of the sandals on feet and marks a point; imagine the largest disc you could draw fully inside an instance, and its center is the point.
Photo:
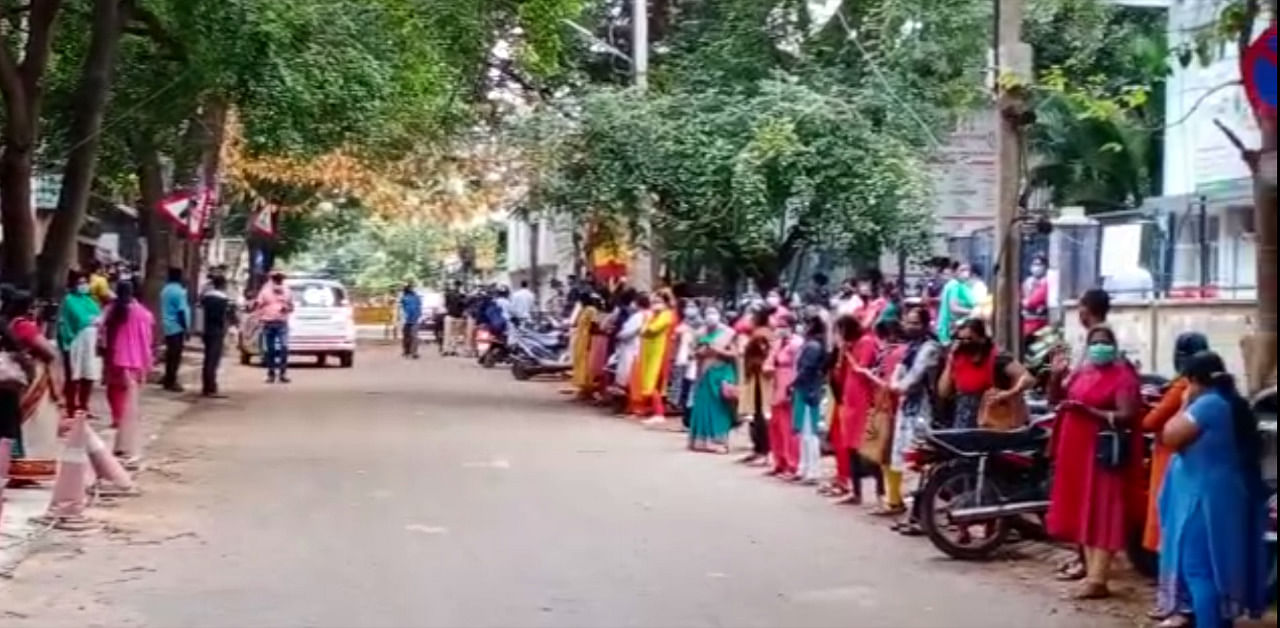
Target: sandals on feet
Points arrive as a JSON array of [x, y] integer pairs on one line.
[[1070, 571], [1090, 590]]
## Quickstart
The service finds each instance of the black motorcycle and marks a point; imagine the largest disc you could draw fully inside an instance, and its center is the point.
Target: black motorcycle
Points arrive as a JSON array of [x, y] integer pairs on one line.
[[983, 484]]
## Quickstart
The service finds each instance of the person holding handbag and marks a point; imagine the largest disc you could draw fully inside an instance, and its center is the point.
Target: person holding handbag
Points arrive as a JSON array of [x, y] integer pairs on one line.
[[986, 385], [1097, 454]]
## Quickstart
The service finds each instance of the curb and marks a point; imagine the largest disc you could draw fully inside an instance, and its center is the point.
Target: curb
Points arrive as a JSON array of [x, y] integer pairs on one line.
[[20, 529]]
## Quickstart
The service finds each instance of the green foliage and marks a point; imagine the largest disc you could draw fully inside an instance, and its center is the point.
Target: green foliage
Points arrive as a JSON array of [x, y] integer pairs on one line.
[[769, 132], [368, 253], [1098, 101]]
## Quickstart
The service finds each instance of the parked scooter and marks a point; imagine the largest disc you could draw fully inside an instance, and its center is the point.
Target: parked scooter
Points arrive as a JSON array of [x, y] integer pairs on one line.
[[538, 353], [492, 349]]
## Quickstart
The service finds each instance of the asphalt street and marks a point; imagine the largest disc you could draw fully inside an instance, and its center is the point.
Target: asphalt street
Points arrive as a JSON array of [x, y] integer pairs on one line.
[[436, 493]]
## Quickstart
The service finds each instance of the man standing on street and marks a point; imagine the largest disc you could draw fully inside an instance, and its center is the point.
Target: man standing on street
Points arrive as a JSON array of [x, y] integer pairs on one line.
[[219, 314], [455, 310], [410, 316], [274, 305], [176, 317], [522, 304]]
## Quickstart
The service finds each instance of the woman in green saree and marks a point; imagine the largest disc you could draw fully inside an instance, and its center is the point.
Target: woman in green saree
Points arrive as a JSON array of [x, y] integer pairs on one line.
[[711, 416]]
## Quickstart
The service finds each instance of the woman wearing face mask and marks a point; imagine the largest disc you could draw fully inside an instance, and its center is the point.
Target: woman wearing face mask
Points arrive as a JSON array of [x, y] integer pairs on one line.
[[78, 342], [684, 373], [711, 417], [914, 380], [1035, 299], [653, 366], [1213, 505], [780, 366], [983, 381], [956, 302], [1187, 345], [1096, 456]]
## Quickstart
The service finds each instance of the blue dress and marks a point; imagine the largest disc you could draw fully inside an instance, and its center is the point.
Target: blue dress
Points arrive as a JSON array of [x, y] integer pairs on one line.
[[1211, 514]]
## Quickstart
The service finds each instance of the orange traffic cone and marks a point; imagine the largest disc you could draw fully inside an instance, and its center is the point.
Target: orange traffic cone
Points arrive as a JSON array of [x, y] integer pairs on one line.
[[112, 478], [66, 509]]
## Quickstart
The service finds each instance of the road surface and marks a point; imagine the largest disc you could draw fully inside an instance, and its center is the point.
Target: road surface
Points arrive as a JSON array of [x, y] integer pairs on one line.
[[435, 493]]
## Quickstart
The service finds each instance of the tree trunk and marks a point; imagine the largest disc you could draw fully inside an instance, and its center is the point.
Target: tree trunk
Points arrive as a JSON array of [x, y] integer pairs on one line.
[[1260, 348], [18, 218], [156, 229], [20, 83], [86, 124]]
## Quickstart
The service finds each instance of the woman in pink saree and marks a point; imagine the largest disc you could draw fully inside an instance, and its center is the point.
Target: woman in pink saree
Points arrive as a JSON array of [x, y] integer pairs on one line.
[[127, 333]]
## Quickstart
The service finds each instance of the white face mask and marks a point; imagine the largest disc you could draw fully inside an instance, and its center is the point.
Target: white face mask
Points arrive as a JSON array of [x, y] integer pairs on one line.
[[773, 300], [713, 318]]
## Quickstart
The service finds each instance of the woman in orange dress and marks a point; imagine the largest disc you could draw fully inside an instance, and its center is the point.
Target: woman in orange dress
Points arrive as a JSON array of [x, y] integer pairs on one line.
[[1187, 345]]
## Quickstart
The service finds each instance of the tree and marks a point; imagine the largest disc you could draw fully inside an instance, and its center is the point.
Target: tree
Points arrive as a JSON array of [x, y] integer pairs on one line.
[[365, 82], [1098, 101], [771, 131], [106, 27], [29, 29]]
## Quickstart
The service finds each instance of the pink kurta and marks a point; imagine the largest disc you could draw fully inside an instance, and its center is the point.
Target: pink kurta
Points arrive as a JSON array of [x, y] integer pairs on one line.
[[782, 437]]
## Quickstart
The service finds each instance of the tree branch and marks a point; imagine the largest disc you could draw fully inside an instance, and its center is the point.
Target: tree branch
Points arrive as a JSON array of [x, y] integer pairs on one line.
[[39, 40], [1249, 155], [10, 80], [152, 26]]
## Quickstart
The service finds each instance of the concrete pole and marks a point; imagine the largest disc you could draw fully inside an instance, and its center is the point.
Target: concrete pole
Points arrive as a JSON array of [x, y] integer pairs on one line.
[[641, 270], [1013, 57]]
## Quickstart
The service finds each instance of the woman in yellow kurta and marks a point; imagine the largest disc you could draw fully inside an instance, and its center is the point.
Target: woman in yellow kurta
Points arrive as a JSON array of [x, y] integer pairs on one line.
[[582, 325], [648, 378]]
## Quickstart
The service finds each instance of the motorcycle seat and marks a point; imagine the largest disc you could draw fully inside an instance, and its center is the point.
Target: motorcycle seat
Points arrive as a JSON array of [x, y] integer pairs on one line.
[[980, 441], [547, 339]]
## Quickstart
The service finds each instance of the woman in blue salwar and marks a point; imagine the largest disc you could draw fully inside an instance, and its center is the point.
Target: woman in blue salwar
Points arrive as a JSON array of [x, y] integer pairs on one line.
[[1212, 504]]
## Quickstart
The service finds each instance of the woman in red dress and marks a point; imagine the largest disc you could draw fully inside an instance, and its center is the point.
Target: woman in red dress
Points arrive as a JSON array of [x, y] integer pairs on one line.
[[857, 393], [1087, 503]]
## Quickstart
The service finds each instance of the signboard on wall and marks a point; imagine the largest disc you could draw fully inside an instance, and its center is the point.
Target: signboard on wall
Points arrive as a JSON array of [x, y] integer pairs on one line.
[[965, 175]]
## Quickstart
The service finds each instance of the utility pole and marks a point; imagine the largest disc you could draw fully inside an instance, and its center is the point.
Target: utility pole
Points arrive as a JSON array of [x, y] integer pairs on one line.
[[641, 273], [1013, 61]]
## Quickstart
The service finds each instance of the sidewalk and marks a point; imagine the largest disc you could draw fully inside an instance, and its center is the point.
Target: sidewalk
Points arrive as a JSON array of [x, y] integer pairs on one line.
[[18, 533]]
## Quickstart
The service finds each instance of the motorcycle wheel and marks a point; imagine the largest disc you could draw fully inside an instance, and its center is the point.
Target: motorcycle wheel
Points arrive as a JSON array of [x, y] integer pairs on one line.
[[948, 486], [521, 371], [489, 359]]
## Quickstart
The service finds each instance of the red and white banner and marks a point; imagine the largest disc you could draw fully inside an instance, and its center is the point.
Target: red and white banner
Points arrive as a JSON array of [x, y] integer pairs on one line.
[[263, 221], [177, 208]]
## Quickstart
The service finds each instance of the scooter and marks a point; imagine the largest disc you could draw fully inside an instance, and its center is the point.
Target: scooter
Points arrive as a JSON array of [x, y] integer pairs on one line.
[[492, 349], [538, 353]]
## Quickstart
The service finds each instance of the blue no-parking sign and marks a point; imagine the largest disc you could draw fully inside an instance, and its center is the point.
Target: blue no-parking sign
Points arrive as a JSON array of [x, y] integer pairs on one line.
[[1258, 70]]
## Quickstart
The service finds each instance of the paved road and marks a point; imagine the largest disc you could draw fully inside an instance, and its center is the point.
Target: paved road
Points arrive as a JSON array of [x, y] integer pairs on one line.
[[434, 493]]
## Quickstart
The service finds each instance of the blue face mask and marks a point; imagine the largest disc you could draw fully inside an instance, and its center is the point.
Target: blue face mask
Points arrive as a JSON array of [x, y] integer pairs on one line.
[[1102, 353]]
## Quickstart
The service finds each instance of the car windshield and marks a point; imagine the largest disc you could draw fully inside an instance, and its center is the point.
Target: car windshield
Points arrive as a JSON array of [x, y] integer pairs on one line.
[[317, 295]]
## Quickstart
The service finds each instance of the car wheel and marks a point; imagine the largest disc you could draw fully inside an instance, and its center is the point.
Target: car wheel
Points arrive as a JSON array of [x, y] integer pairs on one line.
[[346, 360], [322, 359]]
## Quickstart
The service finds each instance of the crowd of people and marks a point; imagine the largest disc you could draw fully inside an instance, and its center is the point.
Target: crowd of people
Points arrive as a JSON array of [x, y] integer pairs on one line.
[[868, 372], [101, 333]]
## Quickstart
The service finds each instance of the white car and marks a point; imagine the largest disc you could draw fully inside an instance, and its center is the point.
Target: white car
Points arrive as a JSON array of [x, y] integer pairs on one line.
[[322, 323]]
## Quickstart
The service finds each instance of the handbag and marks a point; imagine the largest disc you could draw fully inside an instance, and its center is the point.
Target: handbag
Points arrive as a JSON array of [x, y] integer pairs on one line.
[[13, 376], [878, 434], [729, 391], [1112, 446]]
